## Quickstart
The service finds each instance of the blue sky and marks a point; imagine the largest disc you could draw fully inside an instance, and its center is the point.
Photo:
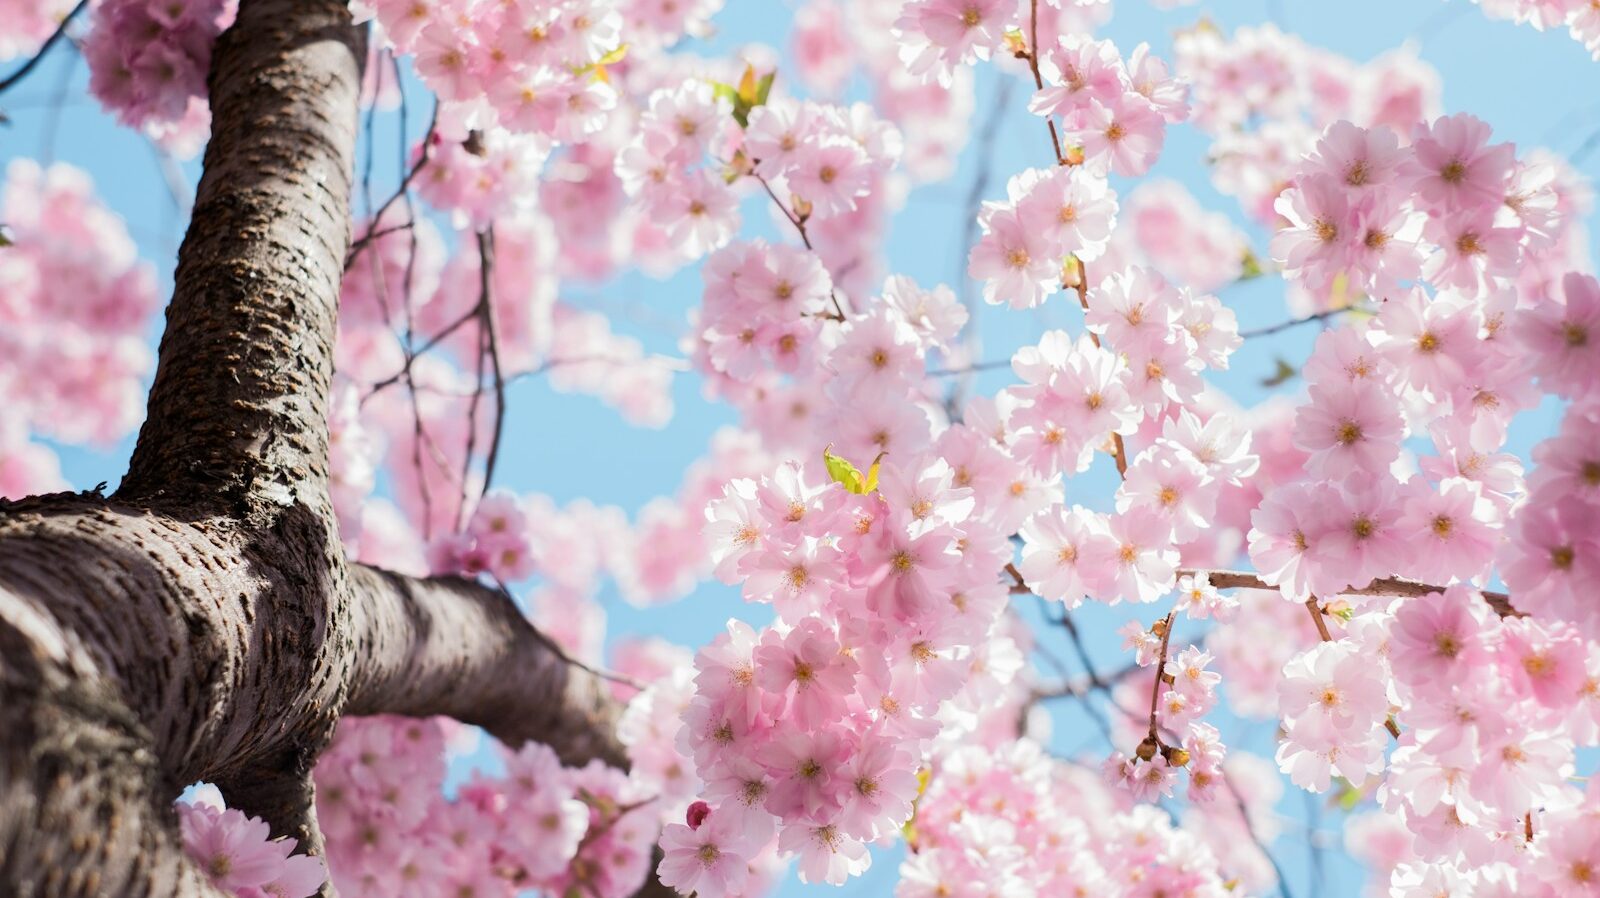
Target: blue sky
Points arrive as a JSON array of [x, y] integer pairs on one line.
[[1535, 89]]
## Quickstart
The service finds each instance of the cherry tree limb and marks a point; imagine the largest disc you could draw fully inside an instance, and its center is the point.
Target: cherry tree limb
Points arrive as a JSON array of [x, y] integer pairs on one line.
[[203, 623], [1382, 586]]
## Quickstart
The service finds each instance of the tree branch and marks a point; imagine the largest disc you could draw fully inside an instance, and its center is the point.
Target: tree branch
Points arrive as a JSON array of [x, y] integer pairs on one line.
[[204, 623], [144, 653], [454, 647], [237, 414], [1383, 586]]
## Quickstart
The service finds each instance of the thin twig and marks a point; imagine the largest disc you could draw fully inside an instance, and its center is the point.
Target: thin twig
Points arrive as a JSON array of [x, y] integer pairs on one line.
[[58, 100], [1082, 696], [403, 190], [968, 369], [969, 231], [1161, 672], [477, 389], [1294, 322], [1318, 617], [1032, 56], [805, 237], [486, 266], [58, 34], [1250, 829], [1588, 146], [413, 354], [1383, 586]]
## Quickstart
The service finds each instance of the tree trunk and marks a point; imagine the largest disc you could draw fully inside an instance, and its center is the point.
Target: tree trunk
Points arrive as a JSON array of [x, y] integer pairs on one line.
[[203, 623]]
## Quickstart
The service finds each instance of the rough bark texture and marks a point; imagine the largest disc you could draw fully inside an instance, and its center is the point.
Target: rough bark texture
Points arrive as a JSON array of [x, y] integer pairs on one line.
[[203, 623]]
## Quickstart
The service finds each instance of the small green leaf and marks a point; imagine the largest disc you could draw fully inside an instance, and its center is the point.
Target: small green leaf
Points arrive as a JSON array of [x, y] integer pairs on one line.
[[1016, 44], [1281, 375], [751, 92], [747, 86], [5, 236], [615, 56], [843, 472], [872, 473], [1348, 796], [1250, 265]]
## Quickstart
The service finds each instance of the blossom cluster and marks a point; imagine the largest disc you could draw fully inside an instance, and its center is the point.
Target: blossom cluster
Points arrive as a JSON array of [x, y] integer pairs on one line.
[[239, 855], [73, 299], [1489, 712], [536, 825], [832, 40], [1113, 112], [936, 40], [530, 67], [1552, 549], [823, 164], [1166, 228], [1581, 17], [1048, 216], [1456, 366], [1264, 96], [148, 63], [29, 23], [815, 726], [1450, 209], [1020, 823]]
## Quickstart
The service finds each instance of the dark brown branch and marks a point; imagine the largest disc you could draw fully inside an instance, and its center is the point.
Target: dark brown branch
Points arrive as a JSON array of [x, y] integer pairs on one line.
[[1315, 608], [453, 647], [1161, 673], [373, 231], [156, 652], [1383, 586], [492, 347], [799, 223], [237, 414], [1032, 56]]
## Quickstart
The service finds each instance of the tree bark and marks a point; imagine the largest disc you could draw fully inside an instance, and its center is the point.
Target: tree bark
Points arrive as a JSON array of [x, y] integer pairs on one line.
[[203, 623]]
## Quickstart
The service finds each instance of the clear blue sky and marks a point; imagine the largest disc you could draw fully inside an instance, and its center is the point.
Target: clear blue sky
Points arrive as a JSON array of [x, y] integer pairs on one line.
[[1499, 71]]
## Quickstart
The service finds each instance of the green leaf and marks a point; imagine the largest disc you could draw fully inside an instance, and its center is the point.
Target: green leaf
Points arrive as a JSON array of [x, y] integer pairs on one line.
[[872, 473], [5, 237], [751, 92], [1250, 265], [747, 86], [843, 472], [1348, 795], [615, 56], [1281, 375]]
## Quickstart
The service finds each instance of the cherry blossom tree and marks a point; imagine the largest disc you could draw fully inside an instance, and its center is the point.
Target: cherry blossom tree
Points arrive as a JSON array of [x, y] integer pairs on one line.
[[309, 595]]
